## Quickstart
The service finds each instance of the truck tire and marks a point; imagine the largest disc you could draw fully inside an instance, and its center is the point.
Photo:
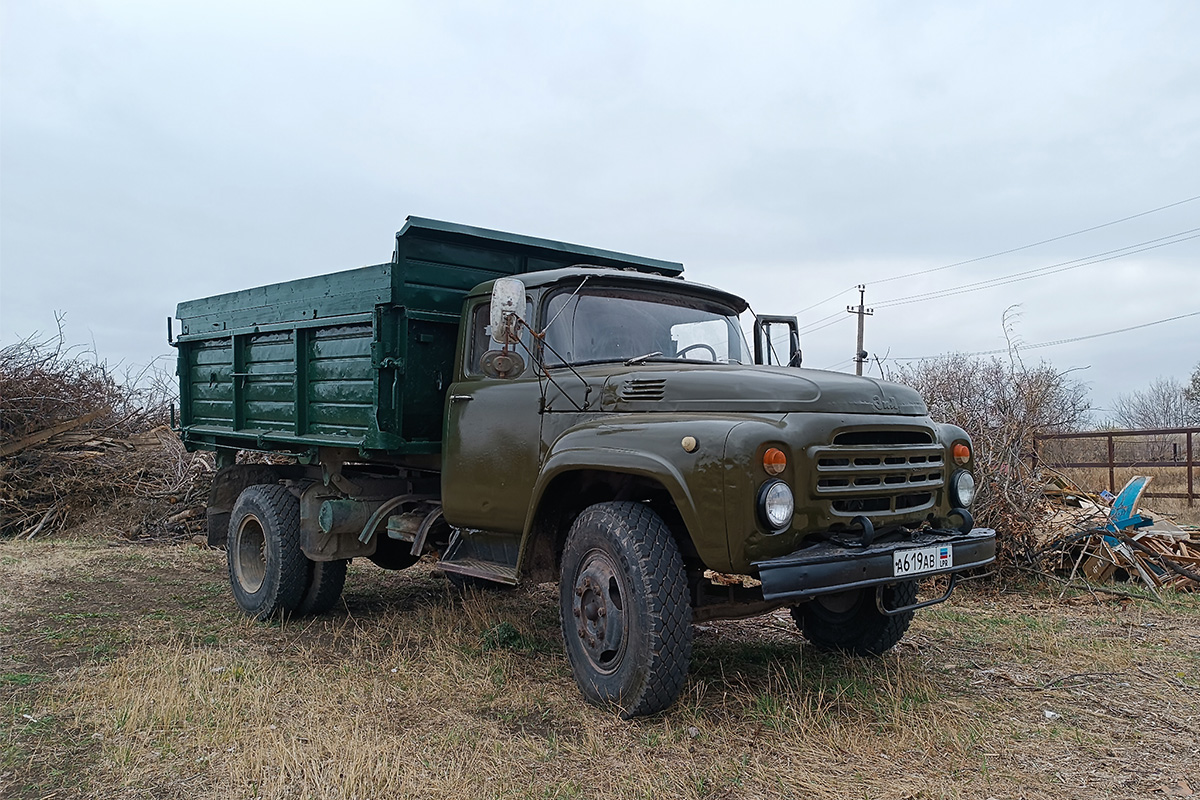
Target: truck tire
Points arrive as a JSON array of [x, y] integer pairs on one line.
[[849, 622], [624, 607], [267, 570], [392, 553], [325, 582]]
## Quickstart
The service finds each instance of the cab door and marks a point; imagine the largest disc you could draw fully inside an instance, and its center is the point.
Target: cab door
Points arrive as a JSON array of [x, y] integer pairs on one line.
[[490, 446]]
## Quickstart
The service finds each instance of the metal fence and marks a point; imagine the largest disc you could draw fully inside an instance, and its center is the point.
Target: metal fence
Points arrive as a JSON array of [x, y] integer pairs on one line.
[[1147, 448]]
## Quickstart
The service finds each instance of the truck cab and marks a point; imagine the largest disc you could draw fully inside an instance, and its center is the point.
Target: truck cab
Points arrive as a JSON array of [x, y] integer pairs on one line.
[[777, 485]]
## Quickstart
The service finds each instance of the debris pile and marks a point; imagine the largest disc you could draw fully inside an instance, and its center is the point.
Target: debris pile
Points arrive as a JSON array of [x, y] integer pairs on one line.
[[74, 439], [1110, 538]]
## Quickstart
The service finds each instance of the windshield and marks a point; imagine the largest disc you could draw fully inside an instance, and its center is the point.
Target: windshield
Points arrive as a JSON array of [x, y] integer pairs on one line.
[[614, 324]]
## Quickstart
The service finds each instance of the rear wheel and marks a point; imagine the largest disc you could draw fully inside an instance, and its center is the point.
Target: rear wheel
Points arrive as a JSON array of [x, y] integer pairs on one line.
[[392, 553], [849, 622], [623, 603], [267, 570], [325, 582]]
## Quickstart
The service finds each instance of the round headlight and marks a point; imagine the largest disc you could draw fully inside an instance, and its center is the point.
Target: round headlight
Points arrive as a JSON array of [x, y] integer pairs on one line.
[[964, 489], [776, 504]]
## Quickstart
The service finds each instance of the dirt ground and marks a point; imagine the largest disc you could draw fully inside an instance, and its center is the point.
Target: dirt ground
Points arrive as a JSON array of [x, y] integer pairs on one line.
[[126, 671]]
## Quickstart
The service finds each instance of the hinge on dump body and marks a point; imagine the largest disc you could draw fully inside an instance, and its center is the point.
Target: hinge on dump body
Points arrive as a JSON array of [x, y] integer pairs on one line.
[[380, 359], [387, 327]]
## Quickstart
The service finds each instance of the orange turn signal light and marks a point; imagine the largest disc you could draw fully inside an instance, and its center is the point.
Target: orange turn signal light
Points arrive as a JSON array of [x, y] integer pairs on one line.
[[774, 461], [962, 453]]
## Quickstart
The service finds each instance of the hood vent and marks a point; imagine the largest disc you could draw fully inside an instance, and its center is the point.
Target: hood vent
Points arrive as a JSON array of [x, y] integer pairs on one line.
[[643, 389]]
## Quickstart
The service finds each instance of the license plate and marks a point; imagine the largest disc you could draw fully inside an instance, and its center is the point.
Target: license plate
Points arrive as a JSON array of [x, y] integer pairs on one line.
[[922, 559]]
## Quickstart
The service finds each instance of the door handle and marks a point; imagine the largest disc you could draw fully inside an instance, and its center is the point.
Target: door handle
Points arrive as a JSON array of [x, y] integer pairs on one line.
[[463, 397]]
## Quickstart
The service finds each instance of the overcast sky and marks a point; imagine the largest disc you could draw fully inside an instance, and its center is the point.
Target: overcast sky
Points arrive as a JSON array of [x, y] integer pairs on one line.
[[154, 152]]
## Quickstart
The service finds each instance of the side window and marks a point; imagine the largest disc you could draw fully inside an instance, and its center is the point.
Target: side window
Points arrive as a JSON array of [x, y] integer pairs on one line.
[[480, 340]]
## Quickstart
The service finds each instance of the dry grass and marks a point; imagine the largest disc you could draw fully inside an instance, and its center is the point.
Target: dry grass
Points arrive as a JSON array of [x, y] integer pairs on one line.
[[127, 672]]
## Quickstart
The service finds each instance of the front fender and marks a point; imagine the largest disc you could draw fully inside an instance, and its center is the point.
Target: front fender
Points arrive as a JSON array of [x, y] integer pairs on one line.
[[653, 448]]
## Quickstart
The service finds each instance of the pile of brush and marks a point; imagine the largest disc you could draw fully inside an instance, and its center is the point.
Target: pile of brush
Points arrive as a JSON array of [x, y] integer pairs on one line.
[[74, 439]]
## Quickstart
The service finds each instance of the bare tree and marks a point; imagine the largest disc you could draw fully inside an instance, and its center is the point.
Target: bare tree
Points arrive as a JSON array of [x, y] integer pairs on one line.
[[1192, 393], [1164, 403]]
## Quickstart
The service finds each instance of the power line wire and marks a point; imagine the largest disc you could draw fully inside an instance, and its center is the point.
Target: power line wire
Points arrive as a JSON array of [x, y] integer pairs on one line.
[[1033, 244], [816, 323], [840, 363], [1052, 269], [997, 254], [833, 296], [826, 325], [1057, 342]]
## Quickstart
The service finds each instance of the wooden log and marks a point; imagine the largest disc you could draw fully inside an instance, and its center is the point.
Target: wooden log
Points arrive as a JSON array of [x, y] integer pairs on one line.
[[37, 528], [12, 448]]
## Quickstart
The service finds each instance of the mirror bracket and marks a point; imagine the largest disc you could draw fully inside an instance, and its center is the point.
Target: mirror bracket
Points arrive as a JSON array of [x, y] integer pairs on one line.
[[764, 352]]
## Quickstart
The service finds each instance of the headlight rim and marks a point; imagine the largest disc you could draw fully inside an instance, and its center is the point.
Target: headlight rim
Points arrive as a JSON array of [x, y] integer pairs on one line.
[[764, 517], [957, 492]]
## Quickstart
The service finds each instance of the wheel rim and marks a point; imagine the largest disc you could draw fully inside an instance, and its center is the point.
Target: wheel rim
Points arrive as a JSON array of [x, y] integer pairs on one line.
[[598, 604], [839, 603], [250, 555]]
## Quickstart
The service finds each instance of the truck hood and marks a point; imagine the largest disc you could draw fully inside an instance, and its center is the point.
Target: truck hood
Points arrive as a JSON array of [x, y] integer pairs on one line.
[[736, 388]]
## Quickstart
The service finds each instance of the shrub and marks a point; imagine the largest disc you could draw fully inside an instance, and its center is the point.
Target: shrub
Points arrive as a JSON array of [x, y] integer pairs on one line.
[[1002, 404]]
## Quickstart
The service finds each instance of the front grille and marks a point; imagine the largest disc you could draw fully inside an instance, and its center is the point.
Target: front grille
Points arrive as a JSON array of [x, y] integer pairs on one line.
[[878, 472], [888, 437]]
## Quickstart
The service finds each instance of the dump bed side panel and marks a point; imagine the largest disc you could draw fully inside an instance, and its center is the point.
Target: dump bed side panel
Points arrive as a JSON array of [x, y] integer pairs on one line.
[[301, 384], [350, 291], [359, 358]]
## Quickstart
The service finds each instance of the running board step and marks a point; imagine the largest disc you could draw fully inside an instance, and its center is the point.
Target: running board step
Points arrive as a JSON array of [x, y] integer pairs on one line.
[[488, 570], [482, 554]]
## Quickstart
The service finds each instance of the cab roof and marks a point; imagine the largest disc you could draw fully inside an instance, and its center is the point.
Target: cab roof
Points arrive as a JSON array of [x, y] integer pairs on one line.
[[539, 253], [601, 276]]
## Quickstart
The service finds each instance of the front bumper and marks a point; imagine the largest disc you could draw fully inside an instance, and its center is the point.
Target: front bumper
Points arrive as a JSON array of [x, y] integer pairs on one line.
[[829, 567]]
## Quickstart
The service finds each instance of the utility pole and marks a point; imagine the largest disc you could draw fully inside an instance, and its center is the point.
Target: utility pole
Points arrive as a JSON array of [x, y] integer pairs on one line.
[[860, 355]]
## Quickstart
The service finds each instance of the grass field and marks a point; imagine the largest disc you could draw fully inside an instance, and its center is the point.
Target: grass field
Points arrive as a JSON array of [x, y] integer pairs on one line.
[[127, 671]]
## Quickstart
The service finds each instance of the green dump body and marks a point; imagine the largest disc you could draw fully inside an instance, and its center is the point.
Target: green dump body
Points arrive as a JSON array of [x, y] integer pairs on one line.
[[355, 359]]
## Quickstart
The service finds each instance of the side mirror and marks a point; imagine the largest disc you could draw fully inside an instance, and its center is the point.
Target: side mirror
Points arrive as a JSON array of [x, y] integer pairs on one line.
[[508, 309], [768, 346]]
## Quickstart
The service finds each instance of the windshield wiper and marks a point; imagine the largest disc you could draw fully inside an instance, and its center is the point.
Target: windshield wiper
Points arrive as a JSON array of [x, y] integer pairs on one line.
[[640, 359]]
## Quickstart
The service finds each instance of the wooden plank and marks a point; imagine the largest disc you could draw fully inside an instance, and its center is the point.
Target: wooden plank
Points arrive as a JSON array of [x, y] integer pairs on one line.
[[11, 448]]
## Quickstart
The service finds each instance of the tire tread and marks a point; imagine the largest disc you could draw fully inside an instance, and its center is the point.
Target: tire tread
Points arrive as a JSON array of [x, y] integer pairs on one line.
[[872, 634], [281, 525], [325, 582], [669, 616]]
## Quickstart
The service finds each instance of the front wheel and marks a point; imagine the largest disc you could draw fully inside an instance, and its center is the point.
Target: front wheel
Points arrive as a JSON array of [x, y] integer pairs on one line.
[[850, 622], [623, 603]]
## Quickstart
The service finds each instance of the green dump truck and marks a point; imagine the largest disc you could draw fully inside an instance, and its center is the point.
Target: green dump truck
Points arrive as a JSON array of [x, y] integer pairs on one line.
[[523, 410]]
